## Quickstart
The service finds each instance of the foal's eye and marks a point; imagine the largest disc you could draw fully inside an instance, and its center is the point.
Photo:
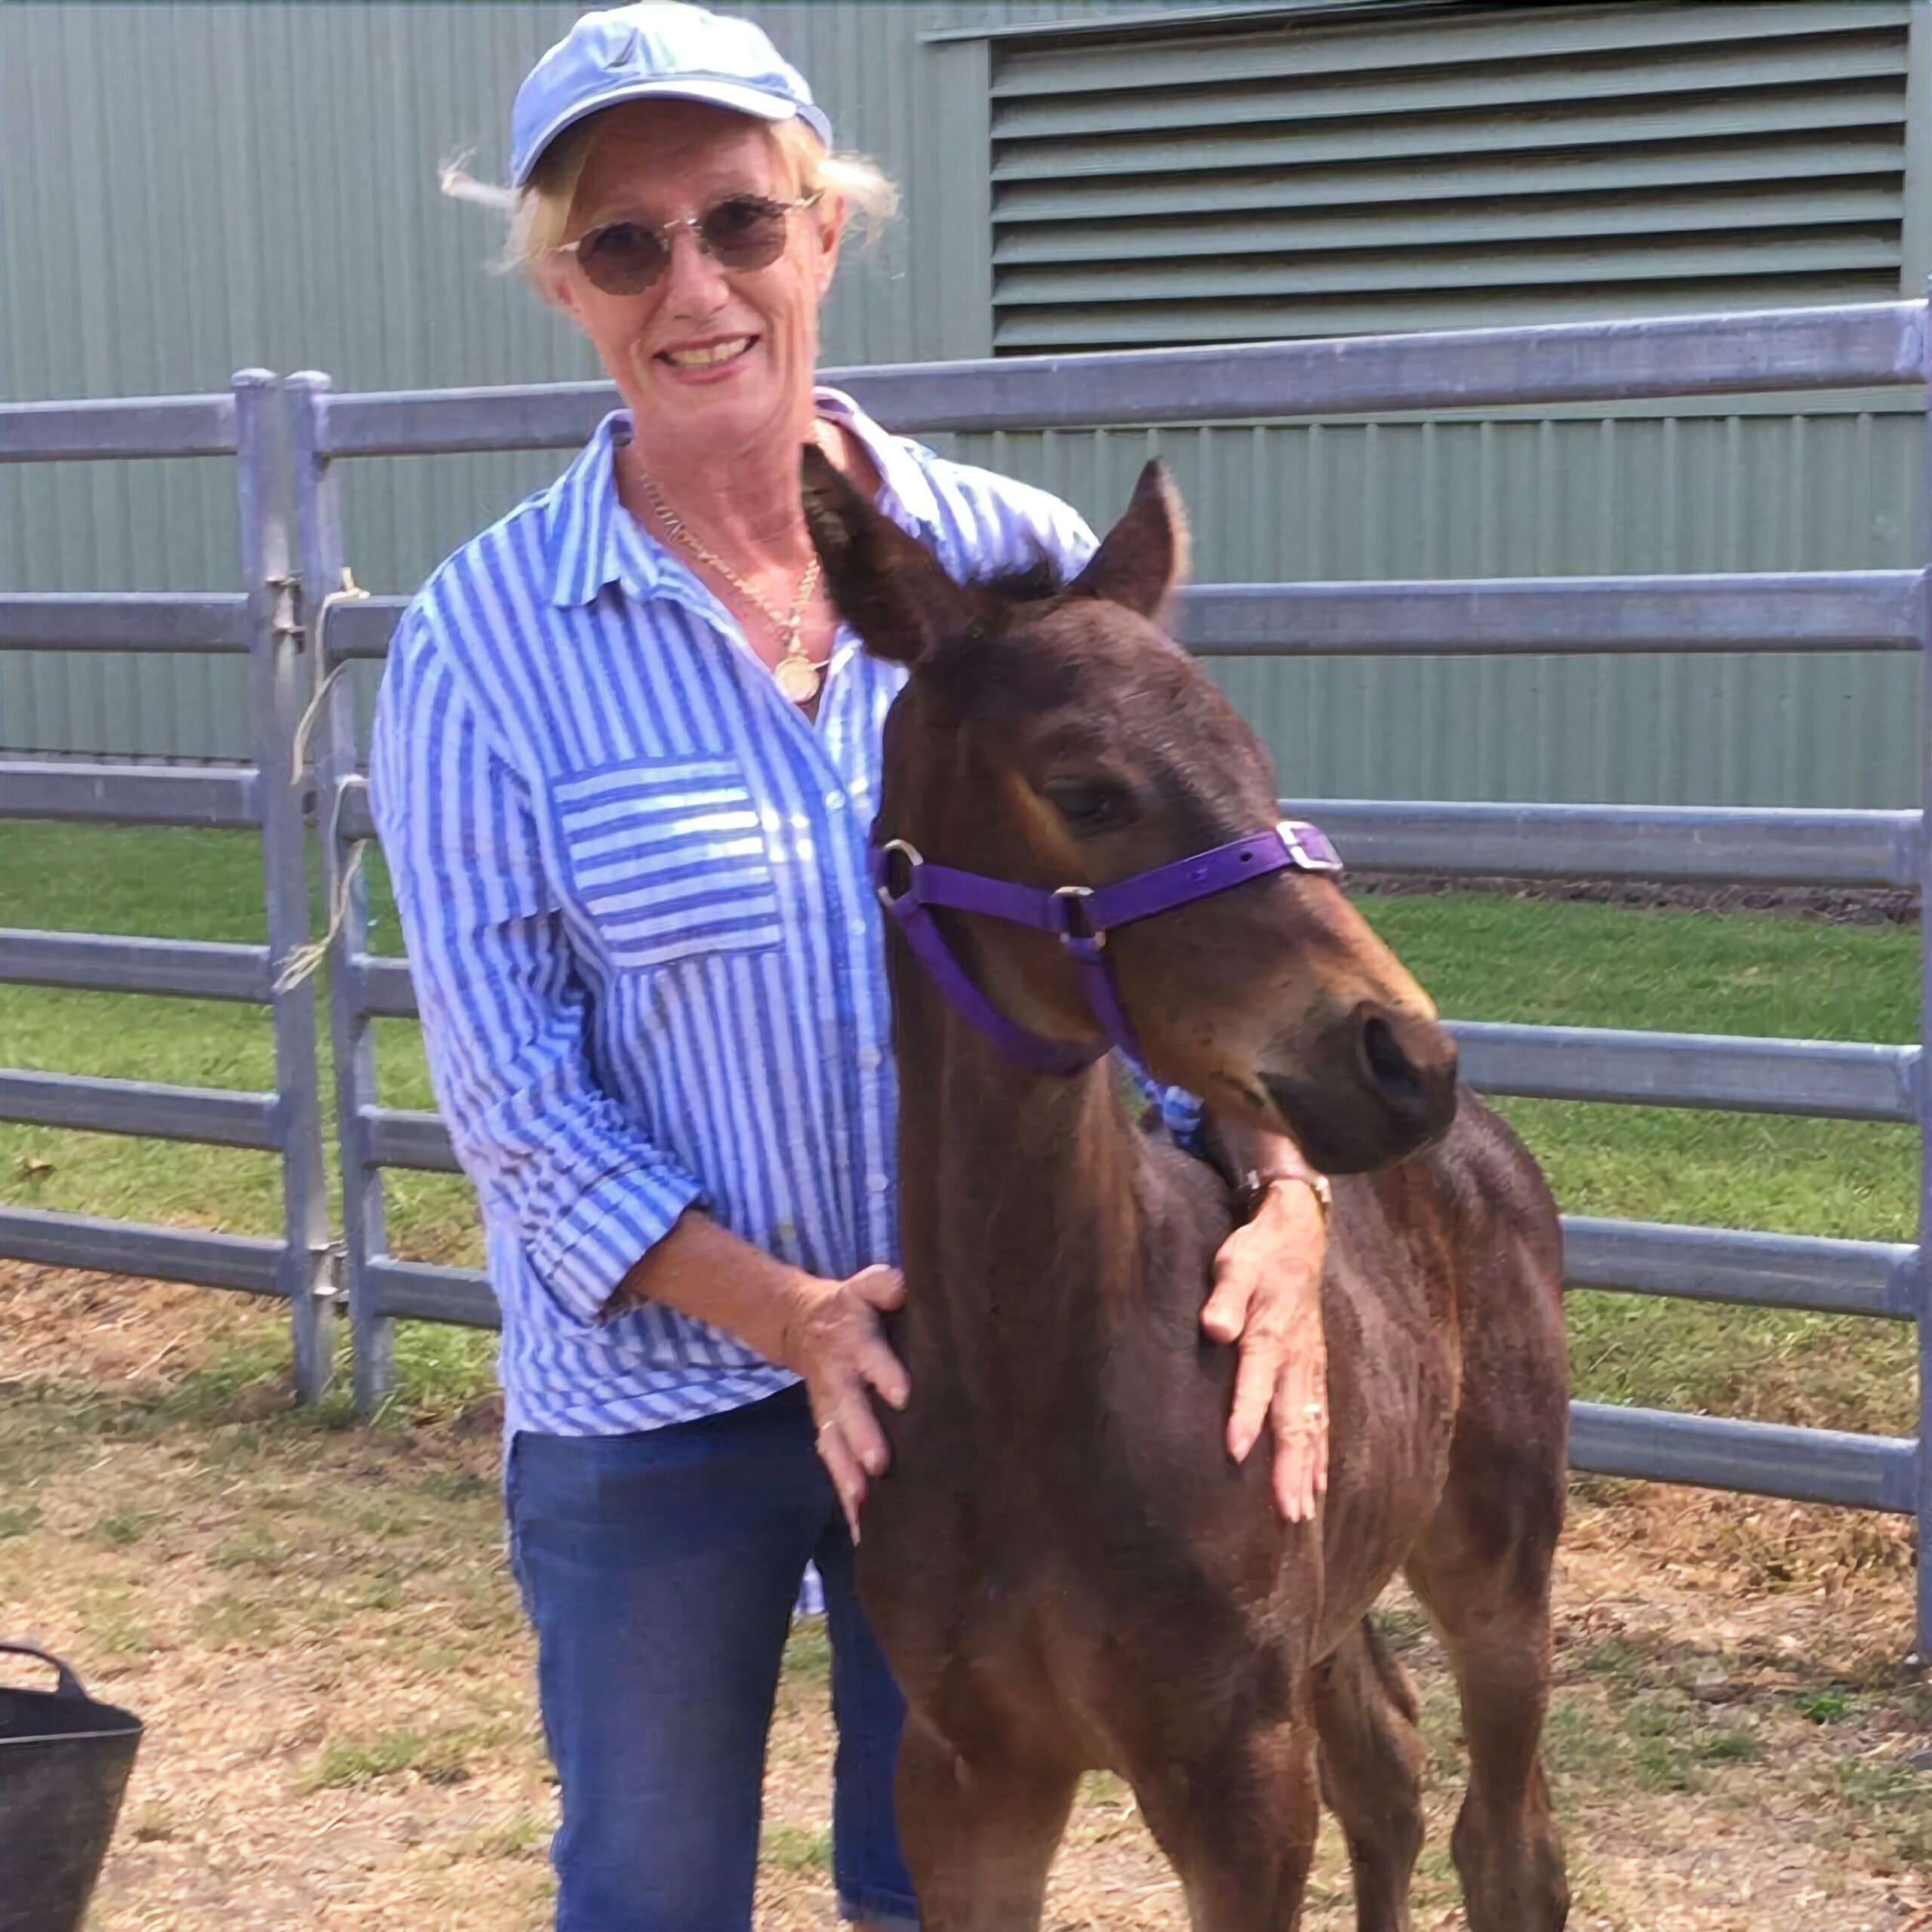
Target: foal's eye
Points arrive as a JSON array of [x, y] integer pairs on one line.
[[1088, 804]]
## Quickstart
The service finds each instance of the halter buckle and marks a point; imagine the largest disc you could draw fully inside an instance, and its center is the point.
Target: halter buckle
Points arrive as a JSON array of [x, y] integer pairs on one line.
[[1307, 858], [1071, 936], [882, 871]]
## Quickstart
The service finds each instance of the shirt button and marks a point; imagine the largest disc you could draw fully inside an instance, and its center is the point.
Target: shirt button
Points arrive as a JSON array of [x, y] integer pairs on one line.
[[877, 1183], [835, 800], [859, 929], [870, 1058]]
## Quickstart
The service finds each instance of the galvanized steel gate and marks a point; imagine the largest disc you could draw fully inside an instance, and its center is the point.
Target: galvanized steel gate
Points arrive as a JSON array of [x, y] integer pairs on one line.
[[1883, 344], [245, 427]]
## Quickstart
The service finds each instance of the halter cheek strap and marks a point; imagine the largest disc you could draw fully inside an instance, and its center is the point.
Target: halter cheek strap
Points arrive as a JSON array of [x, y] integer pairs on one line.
[[1080, 917]]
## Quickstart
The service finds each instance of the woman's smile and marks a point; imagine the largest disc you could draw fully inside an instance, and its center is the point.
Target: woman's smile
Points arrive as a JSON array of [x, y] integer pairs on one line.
[[709, 355], [703, 363]]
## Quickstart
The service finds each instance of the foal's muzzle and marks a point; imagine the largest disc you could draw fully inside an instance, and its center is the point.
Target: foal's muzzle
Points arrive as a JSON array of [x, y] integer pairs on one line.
[[1380, 1084]]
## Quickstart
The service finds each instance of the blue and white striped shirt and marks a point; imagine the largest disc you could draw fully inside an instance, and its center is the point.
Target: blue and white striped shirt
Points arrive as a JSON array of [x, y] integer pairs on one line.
[[631, 876]]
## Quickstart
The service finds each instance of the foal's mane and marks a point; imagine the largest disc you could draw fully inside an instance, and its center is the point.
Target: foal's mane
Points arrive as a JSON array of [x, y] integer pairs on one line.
[[1025, 584]]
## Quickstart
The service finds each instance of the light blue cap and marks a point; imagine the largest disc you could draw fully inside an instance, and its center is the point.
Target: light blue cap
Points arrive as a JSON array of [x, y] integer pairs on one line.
[[660, 50], [654, 50]]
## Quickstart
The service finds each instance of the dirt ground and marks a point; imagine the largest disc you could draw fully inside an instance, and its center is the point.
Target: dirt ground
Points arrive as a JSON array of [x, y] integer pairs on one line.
[[316, 1622]]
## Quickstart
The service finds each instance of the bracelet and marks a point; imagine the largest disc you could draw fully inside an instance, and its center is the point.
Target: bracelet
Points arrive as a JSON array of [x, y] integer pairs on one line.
[[1256, 1181]]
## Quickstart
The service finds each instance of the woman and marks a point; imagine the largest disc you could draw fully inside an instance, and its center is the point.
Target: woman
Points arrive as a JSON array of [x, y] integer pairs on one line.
[[623, 769]]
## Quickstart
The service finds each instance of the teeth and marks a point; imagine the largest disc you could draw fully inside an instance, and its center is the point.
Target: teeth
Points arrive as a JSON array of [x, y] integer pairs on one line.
[[702, 358]]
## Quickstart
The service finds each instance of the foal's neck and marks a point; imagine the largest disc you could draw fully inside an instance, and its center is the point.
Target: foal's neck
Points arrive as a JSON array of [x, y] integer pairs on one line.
[[1025, 1198]]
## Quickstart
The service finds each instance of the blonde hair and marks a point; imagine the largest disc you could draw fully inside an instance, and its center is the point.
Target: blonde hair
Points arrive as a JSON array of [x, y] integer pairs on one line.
[[540, 212]]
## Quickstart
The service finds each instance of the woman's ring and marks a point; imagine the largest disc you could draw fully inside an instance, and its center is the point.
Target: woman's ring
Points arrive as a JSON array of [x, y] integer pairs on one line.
[[1316, 1412]]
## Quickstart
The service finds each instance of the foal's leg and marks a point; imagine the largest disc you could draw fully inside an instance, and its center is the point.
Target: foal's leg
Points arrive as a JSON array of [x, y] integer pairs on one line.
[[1239, 1827], [979, 1836], [1372, 1772], [1483, 1570]]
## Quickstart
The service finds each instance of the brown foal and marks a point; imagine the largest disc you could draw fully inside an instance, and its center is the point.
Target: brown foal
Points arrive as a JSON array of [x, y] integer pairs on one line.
[[1065, 1569]]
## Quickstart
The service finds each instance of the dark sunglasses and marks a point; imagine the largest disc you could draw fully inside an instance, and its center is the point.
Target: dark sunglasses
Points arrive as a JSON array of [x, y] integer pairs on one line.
[[741, 231]]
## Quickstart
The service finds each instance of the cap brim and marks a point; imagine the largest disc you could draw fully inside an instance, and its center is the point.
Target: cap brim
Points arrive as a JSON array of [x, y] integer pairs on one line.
[[732, 94]]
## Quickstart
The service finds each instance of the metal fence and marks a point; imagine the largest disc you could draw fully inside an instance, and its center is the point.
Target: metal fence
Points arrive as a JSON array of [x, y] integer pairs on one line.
[[1883, 344], [258, 621]]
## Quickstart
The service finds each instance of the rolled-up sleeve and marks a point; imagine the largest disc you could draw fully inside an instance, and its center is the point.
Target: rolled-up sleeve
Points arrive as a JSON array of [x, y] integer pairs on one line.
[[555, 1160]]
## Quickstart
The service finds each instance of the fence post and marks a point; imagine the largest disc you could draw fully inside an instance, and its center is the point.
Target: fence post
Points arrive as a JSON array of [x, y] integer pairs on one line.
[[318, 524], [1923, 1496], [279, 688]]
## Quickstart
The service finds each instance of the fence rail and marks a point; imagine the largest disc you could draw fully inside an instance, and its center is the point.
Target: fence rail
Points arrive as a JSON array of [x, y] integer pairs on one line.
[[1734, 845], [1548, 616], [1871, 345], [1738, 844], [134, 426], [216, 1118], [1760, 1458], [89, 620], [1801, 1272], [217, 798], [248, 1262], [1824, 610], [291, 525], [1821, 1078], [95, 962], [420, 1291]]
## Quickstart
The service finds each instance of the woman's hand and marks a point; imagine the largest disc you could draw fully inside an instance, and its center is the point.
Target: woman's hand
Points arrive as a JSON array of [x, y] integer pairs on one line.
[[1267, 1298], [826, 1332], [832, 1337]]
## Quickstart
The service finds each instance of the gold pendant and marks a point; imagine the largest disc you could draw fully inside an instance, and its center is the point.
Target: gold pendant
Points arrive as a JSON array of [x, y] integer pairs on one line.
[[797, 678]]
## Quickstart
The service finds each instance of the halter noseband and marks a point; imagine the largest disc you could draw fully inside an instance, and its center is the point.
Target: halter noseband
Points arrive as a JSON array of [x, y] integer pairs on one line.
[[1080, 917]]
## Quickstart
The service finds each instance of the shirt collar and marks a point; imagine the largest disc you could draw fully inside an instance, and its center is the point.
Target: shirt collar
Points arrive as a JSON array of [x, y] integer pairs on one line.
[[908, 497], [591, 543], [582, 519]]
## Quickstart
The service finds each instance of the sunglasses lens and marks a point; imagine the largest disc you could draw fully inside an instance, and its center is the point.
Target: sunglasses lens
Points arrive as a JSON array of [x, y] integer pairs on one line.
[[623, 258], [745, 232]]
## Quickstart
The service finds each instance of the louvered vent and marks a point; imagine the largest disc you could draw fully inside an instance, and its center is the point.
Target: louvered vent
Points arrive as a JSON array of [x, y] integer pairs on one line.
[[1450, 167]]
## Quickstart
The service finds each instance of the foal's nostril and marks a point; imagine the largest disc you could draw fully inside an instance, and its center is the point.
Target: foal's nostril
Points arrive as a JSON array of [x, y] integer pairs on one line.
[[1393, 1072]]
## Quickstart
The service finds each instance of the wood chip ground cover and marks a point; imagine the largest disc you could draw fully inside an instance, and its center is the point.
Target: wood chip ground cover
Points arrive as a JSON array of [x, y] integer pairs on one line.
[[317, 1624]]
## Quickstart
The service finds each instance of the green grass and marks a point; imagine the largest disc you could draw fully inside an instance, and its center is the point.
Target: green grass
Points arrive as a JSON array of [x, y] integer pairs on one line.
[[120, 1527], [793, 1848], [1892, 1799], [1822, 1706], [523, 1836], [346, 1761], [1483, 958]]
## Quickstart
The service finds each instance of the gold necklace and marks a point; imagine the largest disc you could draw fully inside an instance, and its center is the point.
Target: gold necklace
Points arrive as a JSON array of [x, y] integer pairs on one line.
[[798, 677]]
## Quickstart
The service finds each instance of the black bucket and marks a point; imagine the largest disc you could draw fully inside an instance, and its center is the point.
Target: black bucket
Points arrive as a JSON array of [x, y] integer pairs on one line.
[[64, 1761]]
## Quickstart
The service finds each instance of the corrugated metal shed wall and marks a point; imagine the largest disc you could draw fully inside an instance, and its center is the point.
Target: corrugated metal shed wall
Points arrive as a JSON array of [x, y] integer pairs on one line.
[[186, 189]]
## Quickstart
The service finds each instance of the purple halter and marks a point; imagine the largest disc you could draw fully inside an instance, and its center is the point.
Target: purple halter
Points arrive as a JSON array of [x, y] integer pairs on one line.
[[1081, 916]]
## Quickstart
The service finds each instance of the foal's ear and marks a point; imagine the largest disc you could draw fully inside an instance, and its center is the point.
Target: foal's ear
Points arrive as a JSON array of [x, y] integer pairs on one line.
[[1143, 558], [887, 585]]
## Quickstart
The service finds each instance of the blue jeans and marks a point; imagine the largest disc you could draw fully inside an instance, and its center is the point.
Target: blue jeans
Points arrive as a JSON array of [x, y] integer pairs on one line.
[[660, 1570]]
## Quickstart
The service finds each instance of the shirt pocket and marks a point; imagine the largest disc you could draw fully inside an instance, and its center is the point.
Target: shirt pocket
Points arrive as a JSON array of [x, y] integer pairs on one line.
[[668, 860]]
